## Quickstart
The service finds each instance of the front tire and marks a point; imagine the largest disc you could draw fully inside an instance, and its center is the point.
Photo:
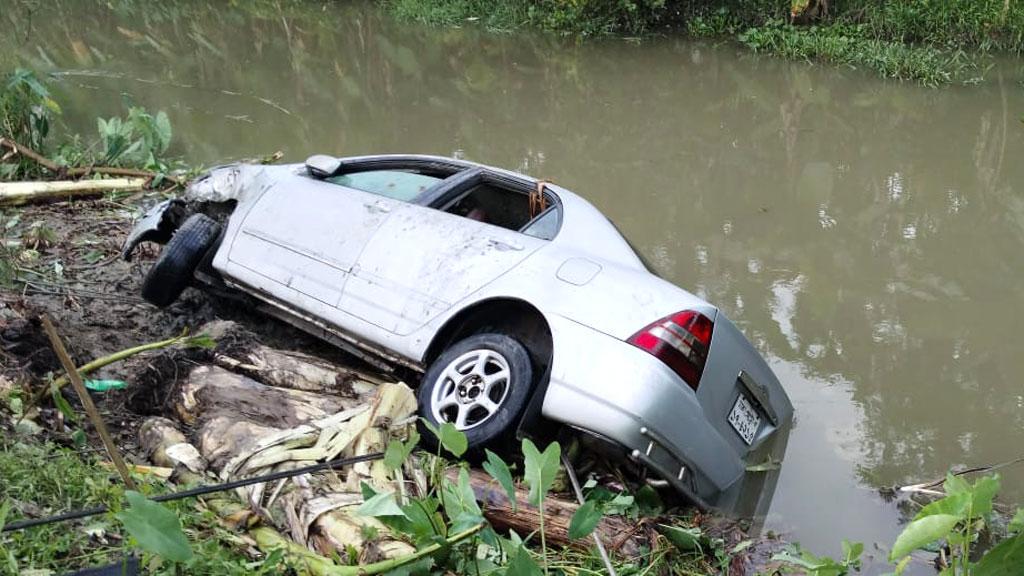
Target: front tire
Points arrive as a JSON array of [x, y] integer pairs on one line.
[[482, 385], [173, 271]]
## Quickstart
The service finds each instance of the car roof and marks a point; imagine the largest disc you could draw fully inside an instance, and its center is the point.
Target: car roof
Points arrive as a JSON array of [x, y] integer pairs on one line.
[[584, 228]]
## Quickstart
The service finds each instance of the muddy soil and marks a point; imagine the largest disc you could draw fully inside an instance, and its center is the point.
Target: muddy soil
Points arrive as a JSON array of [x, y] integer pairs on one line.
[[67, 259]]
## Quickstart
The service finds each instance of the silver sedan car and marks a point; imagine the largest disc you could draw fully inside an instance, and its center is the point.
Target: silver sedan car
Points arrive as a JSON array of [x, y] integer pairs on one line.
[[515, 298]]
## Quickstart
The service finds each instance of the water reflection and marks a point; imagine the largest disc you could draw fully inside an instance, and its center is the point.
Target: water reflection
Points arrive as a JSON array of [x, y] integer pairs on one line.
[[866, 235]]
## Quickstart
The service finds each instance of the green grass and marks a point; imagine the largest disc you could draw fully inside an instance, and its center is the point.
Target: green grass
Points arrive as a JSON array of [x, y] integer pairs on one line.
[[48, 479], [847, 45]]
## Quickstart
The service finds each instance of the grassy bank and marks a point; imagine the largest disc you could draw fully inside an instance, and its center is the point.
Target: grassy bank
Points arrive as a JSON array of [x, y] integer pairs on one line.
[[922, 40]]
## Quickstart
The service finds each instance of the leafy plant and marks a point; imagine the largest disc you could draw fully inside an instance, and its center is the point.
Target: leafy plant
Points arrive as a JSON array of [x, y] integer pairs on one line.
[[541, 469], [957, 518], [500, 471], [584, 520], [26, 109], [822, 565], [156, 529], [139, 140]]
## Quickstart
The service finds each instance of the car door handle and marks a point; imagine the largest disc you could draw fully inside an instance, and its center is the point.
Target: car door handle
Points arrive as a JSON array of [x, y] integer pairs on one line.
[[503, 245], [378, 208]]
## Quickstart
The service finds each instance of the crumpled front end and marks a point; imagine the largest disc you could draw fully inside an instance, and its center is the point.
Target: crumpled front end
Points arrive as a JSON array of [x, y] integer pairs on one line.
[[217, 186]]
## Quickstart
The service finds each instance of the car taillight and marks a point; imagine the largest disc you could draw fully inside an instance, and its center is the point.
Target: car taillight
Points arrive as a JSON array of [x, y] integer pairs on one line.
[[681, 341]]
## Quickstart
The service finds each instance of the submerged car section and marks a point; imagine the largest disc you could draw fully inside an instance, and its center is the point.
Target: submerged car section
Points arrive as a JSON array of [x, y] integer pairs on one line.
[[507, 292]]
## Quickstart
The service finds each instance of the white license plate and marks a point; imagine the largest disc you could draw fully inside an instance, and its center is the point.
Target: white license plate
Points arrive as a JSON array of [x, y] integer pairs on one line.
[[744, 419]]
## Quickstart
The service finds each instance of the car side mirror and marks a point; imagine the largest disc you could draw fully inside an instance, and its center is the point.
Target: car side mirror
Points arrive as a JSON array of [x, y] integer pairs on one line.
[[321, 165]]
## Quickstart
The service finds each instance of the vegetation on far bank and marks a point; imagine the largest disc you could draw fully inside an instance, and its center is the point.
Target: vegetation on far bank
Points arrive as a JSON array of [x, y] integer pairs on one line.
[[922, 40]]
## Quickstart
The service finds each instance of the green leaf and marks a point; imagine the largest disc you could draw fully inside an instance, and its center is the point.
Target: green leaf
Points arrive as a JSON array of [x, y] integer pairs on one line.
[[398, 452], [1005, 559], [955, 505], [522, 564], [453, 440], [423, 518], [458, 499], [955, 484], [811, 564], [449, 437], [648, 502], [852, 552], [155, 528], [541, 469], [584, 520], [920, 532], [203, 341], [63, 405], [1017, 524], [5, 509], [982, 494], [381, 504], [499, 470], [394, 456], [684, 539]]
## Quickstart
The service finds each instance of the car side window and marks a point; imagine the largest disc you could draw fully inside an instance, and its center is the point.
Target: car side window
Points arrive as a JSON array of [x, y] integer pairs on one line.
[[544, 226], [499, 204], [397, 184]]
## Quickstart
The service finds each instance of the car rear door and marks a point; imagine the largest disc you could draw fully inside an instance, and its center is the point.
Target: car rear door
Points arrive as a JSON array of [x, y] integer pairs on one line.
[[301, 239], [422, 261]]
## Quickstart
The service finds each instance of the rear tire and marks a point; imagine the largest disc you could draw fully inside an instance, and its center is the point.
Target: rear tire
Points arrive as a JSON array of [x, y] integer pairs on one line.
[[482, 385], [173, 271]]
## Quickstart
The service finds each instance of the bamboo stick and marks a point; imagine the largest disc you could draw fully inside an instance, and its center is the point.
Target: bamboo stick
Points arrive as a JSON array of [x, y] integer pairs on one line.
[[17, 193], [90, 408]]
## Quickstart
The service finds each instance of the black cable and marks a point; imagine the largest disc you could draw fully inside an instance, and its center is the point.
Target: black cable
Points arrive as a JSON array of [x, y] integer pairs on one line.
[[22, 524]]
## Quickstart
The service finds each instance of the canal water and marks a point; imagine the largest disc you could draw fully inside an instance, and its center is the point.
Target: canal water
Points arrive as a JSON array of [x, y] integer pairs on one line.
[[865, 234]]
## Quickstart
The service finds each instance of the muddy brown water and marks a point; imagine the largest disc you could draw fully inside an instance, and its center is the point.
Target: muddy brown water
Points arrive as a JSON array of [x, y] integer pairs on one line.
[[865, 234]]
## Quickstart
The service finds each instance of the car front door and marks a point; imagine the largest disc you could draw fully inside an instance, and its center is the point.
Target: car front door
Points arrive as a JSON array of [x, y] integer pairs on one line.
[[423, 260], [301, 239]]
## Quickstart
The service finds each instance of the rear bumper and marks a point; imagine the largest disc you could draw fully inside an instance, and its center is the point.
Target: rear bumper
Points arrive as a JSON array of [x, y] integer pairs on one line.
[[605, 386]]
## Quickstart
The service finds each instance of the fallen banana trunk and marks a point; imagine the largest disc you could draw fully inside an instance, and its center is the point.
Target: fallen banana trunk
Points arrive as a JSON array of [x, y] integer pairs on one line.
[[323, 525], [239, 350], [294, 428], [210, 390], [615, 531]]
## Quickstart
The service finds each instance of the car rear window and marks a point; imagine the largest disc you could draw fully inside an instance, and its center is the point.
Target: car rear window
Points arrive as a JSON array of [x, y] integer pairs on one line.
[[396, 184]]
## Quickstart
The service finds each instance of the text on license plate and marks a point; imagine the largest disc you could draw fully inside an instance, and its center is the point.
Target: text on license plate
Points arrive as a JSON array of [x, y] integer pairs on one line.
[[744, 419]]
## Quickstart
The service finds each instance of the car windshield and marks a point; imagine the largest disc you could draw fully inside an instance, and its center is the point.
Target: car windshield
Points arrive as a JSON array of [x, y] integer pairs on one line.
[[396, 184]]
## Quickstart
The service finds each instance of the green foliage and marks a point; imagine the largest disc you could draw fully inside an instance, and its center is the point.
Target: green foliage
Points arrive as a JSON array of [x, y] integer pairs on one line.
[[28, 115], [156, 529], [957, 519], [26, 108], [398, 452], [499, 470], [449, 437], [822, 565], [541, 469], [920, 40], [54, 479], [578, 17], [522, 564], [380, 504], [848, 45], [138, 140], [584, 520]]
